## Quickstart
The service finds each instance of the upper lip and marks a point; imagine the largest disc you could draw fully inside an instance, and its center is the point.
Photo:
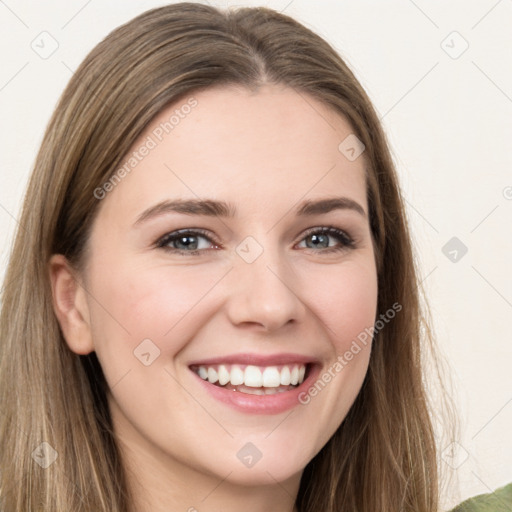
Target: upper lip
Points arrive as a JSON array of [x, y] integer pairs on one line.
[[256, 359]]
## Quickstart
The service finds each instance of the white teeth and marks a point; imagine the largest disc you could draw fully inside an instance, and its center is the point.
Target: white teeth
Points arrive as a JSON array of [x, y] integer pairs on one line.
[[213, 377], [285, 376], [252, 376], [223, 375], [237, 375], [271, 377], [294, 379], [302, 372]]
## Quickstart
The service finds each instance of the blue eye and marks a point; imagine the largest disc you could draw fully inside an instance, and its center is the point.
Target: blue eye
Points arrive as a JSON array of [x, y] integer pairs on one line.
[[185, 241], [194, 242], [319, 238]]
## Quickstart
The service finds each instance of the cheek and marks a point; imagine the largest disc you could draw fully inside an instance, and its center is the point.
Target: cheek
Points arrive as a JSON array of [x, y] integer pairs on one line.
[[346, 304], [156, 302], [344, 307]]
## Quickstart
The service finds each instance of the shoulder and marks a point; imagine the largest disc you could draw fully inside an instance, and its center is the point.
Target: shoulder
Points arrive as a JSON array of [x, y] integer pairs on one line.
[[497, 501]]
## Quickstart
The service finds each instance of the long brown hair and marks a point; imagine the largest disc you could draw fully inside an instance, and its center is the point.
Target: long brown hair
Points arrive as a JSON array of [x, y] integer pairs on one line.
[[383, 456]]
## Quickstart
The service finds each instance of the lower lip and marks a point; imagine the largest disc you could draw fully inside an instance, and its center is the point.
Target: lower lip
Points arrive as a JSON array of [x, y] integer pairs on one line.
[[260, 404]]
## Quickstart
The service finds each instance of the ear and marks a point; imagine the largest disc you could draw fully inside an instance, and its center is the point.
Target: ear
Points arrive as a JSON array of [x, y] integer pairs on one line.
[[70, 305]]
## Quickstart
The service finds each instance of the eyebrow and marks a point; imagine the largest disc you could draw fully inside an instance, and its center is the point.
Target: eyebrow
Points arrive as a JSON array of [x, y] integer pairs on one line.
[[213, 208]]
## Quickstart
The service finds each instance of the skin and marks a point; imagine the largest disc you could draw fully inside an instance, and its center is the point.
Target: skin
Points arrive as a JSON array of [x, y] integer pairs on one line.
[[265, 151]]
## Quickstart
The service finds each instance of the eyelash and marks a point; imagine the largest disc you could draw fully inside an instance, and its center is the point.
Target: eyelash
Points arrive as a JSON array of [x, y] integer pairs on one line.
[[347, 242]]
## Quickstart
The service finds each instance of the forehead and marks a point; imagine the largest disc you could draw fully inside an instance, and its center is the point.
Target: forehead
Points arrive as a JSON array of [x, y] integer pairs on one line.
[[264, 148]]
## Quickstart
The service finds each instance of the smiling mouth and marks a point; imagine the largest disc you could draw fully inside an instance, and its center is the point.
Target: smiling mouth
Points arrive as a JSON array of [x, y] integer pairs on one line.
[[254, 380]]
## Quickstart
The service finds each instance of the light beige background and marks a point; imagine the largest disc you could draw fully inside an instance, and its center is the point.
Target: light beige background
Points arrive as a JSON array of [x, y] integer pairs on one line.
[[447, 110]]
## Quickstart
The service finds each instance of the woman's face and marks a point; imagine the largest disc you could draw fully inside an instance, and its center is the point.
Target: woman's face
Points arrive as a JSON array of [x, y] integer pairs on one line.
[[250, 290]]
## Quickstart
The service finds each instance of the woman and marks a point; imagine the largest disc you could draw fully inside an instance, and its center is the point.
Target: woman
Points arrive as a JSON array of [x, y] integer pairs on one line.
[[212, 302]]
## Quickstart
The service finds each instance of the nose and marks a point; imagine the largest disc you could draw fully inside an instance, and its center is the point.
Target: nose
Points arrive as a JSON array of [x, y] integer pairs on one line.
[[262, 294]]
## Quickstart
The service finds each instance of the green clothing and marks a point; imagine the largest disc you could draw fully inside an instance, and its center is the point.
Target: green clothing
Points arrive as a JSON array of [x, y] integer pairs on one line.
[[497, 501]]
